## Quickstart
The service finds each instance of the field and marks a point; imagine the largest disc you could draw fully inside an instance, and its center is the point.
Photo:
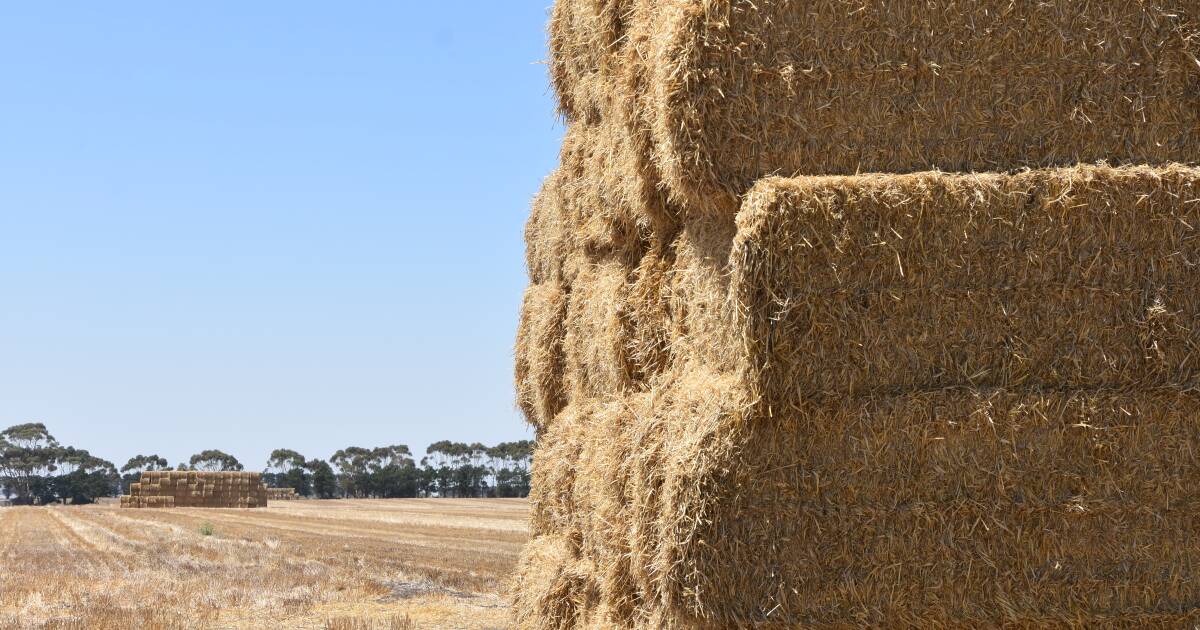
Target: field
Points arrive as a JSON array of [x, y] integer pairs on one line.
[[341, 565]]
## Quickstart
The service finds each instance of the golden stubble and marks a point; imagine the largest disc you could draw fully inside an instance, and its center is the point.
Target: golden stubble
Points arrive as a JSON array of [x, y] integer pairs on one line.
[[360, 565]]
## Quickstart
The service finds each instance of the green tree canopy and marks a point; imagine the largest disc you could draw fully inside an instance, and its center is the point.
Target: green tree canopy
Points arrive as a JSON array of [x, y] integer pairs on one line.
[[139, 463], [35, 467], [285, 459], [29, 455], [31, 435], [387, 456], [215, 461], [324, 482]]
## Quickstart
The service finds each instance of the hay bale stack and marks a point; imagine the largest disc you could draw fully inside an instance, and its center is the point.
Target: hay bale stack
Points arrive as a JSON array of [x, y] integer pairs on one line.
[[165, 489], [723, 94], [905, 398], [930, 398]]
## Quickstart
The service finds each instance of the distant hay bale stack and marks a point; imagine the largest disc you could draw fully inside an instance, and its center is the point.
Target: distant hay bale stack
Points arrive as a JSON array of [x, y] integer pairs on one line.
[[282, 494], [726, 93], [165, 489], [930, 399]]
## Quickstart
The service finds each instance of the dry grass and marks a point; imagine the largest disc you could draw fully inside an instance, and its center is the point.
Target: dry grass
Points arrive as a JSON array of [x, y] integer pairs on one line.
[[361, 565]]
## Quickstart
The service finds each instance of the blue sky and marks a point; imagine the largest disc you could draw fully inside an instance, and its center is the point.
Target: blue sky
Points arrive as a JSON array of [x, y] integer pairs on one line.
[[272, 224]]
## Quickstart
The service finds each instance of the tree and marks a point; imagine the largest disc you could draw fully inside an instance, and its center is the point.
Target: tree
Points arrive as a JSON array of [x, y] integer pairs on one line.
[[37, 469], [352, 467], [82, 477], [29, 454], [286, 469], [284, 459], [324, 482], [395, 455], [386, 471], [30, 436], [392, 473], [213, 460], [439, 472], [510, 468]]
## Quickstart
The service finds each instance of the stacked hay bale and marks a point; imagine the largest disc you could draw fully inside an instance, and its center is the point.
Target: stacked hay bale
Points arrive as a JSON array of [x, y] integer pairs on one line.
[[165, 489], [906, 398], [282, 494]]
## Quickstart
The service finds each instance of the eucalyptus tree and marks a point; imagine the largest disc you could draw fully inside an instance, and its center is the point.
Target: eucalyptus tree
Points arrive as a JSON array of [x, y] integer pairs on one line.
[[286, 468], [213, 460], [28, 455]]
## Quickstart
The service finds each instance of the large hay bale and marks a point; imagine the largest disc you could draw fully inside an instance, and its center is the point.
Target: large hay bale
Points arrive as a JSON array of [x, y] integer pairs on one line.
[[952, 508], [725, 93], [1055, 279], [953, 452]]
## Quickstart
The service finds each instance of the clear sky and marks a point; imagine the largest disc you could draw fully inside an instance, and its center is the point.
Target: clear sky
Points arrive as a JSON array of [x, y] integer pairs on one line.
[[253, 225]]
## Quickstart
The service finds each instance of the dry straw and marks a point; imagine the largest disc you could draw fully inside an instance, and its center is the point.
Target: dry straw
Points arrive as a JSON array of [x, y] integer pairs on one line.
[[913, 398], [728, 92], [1065, 278], [927, 398]]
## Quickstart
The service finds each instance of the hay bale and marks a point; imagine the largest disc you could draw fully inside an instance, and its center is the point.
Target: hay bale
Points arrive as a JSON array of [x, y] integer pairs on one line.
[[626, 496], [584, 39], [550, 236], [728, 93], [1062, 278], [955, 508], [608, 189], [539, 353], [969, 459], [597, 332]]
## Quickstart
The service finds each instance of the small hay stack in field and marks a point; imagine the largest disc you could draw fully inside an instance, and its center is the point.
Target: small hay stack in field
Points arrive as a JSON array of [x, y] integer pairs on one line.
[[282, 494], [173, 488], [909, 398]]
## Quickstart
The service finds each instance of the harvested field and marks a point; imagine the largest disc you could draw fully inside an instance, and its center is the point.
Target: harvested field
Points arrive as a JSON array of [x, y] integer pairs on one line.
[[359, 564]]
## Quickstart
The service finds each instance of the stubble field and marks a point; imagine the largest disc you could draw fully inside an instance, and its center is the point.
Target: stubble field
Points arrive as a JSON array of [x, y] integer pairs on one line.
[[338, 565]]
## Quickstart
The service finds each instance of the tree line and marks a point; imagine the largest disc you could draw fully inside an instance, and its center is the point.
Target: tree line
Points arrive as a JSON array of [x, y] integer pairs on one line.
[[36, 469]]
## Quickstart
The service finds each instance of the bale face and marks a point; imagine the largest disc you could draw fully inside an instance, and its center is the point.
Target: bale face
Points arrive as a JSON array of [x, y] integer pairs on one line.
[[609, 190], [615, 488], [956, 508], [594, 320], [540, 356], [584, 39], [731, 92], [550, 237], [598, 331], [1057, 279]]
